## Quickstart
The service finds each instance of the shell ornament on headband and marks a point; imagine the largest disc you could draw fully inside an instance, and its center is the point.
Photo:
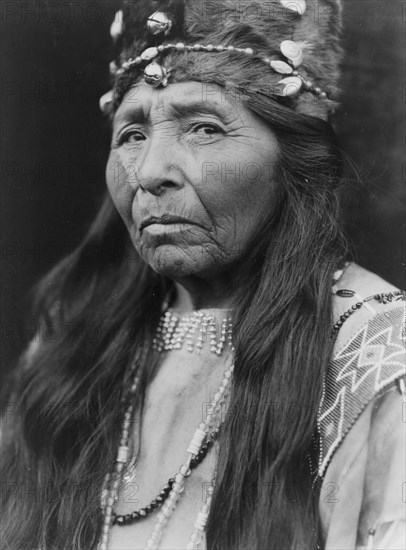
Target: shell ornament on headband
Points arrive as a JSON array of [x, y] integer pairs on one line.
[[302, 58]]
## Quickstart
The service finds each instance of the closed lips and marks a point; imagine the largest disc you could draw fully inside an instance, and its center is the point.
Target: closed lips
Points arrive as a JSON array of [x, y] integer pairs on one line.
[[165, 220]]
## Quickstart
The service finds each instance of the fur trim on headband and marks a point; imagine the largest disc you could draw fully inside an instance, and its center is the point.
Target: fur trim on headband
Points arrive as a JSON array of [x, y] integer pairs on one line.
[[261, 25]]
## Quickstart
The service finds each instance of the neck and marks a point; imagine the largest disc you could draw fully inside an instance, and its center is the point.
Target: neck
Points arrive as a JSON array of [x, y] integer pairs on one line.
[[199, 294]]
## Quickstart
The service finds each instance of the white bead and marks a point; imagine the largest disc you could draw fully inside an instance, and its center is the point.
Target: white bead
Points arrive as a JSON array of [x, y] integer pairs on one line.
[[161, 518], [116, 27], [290, 86], [159, 22], [298, 6], [281, 67], [149, 54], [217, 396], [185, 470], [292, 51], [122, 454], [105, 100], [201, 521], [196, 442]]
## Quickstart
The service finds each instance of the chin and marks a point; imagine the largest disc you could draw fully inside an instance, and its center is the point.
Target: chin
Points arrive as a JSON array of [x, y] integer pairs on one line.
[[175, 264]]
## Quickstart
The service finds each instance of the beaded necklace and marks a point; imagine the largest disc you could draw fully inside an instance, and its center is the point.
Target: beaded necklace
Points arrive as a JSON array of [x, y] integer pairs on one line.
[[172, 333], [196, 330]]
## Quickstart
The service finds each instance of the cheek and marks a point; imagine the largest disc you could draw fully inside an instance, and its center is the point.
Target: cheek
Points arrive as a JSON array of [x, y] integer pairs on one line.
[[238, 197], [117, 178]]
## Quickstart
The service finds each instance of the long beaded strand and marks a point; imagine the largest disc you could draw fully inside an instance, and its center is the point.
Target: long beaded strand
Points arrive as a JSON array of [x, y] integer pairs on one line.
[[136, 515], [197, 535], [194, 449], [113, 480], [184, 471]]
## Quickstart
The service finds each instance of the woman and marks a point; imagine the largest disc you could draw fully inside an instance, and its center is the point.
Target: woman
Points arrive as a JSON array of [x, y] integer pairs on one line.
[[208, 371]]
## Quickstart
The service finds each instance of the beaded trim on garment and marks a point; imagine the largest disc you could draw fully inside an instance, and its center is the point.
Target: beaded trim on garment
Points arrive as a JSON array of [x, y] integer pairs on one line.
[[368, 363]]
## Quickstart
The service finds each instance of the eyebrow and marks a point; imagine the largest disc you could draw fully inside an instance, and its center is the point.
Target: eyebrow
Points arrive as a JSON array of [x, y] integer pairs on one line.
[[185, 110], [180, 110]]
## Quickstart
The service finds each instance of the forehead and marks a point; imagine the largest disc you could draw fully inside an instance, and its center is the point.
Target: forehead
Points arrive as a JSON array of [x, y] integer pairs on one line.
[[182, 99]]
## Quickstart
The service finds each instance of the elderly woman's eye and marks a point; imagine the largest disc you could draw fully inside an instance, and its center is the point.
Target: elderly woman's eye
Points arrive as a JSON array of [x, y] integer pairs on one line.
[[206, 129], [131, 136]]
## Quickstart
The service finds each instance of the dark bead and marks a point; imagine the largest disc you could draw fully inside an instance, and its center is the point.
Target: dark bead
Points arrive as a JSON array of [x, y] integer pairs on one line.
[[204, 448], [135, 515], [171, 480], [159, 499], [148, 509], [127, 518], [154, 504], [167, 489], [339, 323], [359, 304], [202, 453], [120, 520], [354, 307], [142, 512], [347, 314], [344, 293]]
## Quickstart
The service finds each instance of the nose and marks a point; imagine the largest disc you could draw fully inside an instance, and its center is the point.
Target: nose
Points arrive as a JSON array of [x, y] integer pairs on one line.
[[160, 166]]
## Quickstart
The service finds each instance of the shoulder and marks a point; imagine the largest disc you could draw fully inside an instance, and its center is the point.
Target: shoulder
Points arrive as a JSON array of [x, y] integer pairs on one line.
[[368, 355], [361, 285]]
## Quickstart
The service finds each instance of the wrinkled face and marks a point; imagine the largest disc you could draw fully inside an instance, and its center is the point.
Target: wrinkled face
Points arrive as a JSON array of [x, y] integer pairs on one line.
[[192, 175]]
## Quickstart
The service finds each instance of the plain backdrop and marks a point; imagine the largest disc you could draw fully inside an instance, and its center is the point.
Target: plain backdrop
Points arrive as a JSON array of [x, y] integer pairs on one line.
[[54, 141]]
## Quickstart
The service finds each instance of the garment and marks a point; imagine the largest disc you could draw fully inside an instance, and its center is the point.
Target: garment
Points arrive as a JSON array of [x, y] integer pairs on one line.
[[362, 428], [362, 423]]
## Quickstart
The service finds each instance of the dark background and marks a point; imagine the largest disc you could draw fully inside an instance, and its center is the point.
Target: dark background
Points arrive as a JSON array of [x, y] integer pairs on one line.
[[54, 141]]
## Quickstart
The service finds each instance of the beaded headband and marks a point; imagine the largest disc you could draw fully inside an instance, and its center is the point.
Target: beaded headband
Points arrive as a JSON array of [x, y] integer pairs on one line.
[[292, 83]]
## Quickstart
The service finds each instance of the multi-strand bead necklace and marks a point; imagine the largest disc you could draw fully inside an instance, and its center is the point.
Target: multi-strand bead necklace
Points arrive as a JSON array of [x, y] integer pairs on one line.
[[197, 330]]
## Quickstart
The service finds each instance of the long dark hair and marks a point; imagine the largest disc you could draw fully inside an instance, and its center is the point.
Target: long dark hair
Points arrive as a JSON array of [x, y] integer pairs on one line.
[[97, 311]]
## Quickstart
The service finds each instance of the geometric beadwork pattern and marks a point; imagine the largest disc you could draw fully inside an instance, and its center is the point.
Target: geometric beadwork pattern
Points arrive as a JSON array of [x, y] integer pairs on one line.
[[372, 360]]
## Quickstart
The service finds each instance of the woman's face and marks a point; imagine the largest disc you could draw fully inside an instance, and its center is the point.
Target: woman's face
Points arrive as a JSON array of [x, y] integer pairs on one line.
[[191, 172]]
